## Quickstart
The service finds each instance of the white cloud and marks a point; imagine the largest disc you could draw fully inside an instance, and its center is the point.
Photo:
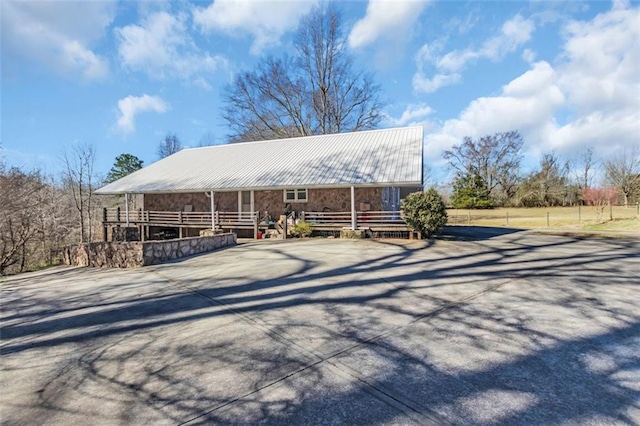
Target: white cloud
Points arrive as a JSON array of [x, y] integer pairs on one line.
[[384, 19], [529, 56], [601, 60], [513, 34], [588, 99], [161, 47], [131, 106], [413, 114], [265, 20], [58, 35], [429, 85]]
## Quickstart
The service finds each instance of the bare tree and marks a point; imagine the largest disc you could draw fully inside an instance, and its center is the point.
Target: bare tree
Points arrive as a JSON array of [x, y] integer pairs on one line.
[[547, 186], [55, 221], [79, 180], [623, 172], [19, 211], [586, 164], [170, 145], [599, 198], [495, 158], [317, 91], [208, 139]]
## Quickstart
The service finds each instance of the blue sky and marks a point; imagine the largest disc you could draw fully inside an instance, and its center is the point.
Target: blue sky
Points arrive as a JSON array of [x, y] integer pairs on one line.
[[121, 75]]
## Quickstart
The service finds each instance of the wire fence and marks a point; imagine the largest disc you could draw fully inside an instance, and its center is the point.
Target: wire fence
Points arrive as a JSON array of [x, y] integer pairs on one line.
[[542, 217]]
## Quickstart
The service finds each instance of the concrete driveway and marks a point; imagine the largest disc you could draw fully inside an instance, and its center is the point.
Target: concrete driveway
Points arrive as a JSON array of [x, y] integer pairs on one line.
[[493, 328]]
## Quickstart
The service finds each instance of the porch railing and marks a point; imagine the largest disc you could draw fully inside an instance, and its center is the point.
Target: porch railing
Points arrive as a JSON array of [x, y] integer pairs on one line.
[[223, 219], [363, 218], [116, 215]]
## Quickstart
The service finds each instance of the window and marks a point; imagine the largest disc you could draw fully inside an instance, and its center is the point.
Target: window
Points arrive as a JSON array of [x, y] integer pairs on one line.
[[295, 195]]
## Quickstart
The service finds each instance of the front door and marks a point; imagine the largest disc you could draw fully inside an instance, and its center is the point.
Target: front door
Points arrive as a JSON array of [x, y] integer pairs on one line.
[[391, 199], [245, 202]]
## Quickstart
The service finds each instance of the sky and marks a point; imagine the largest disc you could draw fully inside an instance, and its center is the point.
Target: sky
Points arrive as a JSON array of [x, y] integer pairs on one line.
[[122, 75]]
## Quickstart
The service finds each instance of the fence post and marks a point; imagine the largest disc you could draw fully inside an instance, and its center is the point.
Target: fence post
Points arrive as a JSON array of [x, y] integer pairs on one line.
[[579, 213], [469, 217], [118, 214], [547, 219], [180, 216], [507, 218], [284, 227]]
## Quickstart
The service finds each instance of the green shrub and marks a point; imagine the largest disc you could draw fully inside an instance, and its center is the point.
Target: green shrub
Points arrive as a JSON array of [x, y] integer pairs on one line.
[[301, 229], [471, 191], [424, 212]]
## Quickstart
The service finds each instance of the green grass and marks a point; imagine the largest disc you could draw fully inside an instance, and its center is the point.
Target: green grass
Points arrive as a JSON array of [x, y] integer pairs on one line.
[[569, 218]]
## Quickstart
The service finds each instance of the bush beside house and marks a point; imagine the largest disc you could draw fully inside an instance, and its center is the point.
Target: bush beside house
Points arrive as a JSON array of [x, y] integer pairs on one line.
[[424, 212]]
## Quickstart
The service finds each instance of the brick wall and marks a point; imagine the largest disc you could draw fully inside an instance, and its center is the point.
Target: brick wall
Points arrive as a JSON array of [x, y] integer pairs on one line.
[[225, 201], [334, 199]]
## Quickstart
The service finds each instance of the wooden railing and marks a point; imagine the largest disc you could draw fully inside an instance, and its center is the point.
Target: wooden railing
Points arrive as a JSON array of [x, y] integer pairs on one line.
[[229, 219], [327, 218], [178, 218], [380, 218], [363, 218]]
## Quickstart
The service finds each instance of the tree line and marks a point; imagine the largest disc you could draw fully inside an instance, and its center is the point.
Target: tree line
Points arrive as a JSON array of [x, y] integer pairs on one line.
[[41, 213], [488, 173]]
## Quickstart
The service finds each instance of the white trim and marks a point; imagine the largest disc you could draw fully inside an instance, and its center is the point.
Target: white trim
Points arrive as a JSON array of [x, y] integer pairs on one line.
[[295, 194], [251, 202], [213, 211], [415, 184], [353, 208], [126, 207]]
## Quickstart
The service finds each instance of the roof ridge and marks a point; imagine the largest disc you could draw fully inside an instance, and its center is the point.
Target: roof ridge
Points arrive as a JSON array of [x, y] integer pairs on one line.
[[306, 137]]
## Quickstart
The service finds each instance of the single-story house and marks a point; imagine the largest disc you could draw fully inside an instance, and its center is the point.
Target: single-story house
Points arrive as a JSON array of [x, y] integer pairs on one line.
[[346, 174]]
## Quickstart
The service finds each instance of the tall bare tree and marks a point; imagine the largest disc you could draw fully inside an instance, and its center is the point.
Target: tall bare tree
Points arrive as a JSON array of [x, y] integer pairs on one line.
[[170, 145], [316, 91], [79, 180], [623, 172], [19, 211], [495, 158], [586, 165]]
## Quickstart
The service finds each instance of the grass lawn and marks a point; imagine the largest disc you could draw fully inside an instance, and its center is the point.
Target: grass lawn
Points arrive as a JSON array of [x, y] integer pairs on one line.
[[574, 218]]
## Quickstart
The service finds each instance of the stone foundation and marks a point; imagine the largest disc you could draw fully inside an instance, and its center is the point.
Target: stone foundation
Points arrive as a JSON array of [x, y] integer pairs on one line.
[[137, 254]]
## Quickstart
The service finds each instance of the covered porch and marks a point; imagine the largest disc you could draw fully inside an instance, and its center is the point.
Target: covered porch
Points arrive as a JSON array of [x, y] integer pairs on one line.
[[190, 223]]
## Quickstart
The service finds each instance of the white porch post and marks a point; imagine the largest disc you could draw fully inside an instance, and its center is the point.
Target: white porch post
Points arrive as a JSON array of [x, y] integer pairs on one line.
[[213, 210], [253, 204], [126, 208], [353, 208]]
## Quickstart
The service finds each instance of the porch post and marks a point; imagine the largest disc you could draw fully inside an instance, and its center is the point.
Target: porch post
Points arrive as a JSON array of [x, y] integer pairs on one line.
[[213, 212], [353, 208], [126, 208], [104, 224]]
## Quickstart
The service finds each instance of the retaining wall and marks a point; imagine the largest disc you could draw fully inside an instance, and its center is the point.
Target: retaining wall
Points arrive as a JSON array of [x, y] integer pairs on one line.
[[138, 253]]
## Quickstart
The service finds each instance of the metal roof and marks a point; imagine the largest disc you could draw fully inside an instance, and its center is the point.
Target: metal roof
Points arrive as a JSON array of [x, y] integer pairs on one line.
[[389, 157]]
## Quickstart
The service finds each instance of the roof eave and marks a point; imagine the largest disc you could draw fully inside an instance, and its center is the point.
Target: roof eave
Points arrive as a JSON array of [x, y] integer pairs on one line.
[[264, 188]]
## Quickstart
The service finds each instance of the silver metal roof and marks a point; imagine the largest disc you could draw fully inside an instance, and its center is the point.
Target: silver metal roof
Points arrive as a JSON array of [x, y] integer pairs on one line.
[[389, 157]]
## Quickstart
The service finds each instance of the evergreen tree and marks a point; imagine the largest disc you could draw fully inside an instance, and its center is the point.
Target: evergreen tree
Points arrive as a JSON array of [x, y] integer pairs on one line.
[[124, 165], [470, 191]]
